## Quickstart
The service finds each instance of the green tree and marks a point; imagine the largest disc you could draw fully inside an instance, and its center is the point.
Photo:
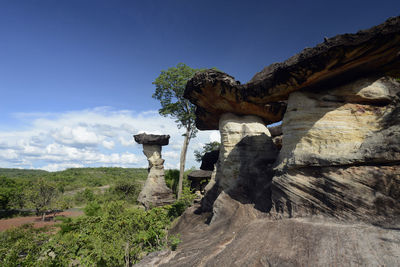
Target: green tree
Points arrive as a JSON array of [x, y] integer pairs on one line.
[[208, 147], [7, 192], [170, 86], [42, 195]]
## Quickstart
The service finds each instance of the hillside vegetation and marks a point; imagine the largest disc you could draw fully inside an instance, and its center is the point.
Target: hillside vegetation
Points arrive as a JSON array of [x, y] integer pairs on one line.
[[114, 231]]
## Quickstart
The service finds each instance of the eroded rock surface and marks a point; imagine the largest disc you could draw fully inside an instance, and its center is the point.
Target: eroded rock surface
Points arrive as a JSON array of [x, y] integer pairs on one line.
[[244, 238], [332, 196], [244, 165], [357, 123], [338, 59], [154, 192]]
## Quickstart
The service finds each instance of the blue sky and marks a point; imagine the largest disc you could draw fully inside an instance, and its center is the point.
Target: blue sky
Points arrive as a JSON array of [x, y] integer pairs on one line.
[[76, 76]]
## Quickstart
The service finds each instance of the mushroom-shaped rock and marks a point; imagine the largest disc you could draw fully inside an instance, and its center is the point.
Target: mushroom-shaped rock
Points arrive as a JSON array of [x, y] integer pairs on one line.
[[155, 192], [336, 60], [151, 139], [215, 93], [199, 179]]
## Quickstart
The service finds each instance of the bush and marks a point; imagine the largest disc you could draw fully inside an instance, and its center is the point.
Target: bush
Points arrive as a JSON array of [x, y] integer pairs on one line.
[[176, 209], [127, 190], [22, 246], [92, 209], [84, 196]]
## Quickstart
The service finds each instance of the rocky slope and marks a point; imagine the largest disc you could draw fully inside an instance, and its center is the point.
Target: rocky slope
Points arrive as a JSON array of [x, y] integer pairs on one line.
[[330, 195]]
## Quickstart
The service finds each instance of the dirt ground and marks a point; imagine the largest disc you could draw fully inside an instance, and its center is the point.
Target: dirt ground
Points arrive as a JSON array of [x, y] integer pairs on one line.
[[6, 224]]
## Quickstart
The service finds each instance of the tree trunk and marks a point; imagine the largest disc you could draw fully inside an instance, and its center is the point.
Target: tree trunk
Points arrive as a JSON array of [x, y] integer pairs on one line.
[[182, 161], [127, 258], [44, 216]]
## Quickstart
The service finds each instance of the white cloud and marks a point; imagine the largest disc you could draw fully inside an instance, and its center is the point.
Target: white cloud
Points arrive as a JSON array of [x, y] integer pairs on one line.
[[126, 142], [108, 144], [170, 155], [79, 136], [215, 136], [60, 166], [92, 137]]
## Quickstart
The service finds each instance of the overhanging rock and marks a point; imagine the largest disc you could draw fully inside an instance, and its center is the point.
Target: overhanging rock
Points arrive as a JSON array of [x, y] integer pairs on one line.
[[337, 60]]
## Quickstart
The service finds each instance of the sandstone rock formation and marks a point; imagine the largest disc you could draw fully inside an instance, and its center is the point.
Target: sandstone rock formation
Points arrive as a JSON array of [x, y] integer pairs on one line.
[[340, 58], [331, 195], [276, 133], [155, 192], [199, 179]]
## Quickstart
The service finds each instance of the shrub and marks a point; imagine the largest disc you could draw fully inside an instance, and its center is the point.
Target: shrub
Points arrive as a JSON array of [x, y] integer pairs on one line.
[[127, 190], [92, 209]]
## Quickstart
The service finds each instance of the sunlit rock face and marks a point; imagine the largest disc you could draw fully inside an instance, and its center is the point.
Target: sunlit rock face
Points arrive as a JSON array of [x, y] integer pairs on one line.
[[332, 197], [341, 153], [354, 123], [154, 192], [243, 168], [237, 153]]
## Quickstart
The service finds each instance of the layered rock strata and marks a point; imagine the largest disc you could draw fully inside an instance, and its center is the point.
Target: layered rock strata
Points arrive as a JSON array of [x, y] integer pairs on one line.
[[337, 59], [155, 192], [341, 153], [331, 195], [356, 123], [242, 169]]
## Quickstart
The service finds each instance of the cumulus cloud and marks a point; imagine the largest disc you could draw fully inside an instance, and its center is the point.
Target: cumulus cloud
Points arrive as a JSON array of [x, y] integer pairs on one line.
[[92, 137], [108, 144]]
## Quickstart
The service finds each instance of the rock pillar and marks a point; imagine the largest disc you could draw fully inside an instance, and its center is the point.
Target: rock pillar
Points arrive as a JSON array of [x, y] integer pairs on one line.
[[244, 164], [246, 148], [155, 192]]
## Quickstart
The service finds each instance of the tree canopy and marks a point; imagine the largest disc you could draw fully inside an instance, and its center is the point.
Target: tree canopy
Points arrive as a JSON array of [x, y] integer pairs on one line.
[[170, 86], [208, 147]]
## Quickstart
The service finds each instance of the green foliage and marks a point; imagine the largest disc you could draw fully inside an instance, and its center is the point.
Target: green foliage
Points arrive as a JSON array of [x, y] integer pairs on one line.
[[170, 86], [92, 209], [41, 195], [22, 246], [84, 196], [176, 209], [171, 179], [174, 241], [208, 147], [76, 178], [7, 192], [16, 187], [110, 233], [109, 239], [126, 190]]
